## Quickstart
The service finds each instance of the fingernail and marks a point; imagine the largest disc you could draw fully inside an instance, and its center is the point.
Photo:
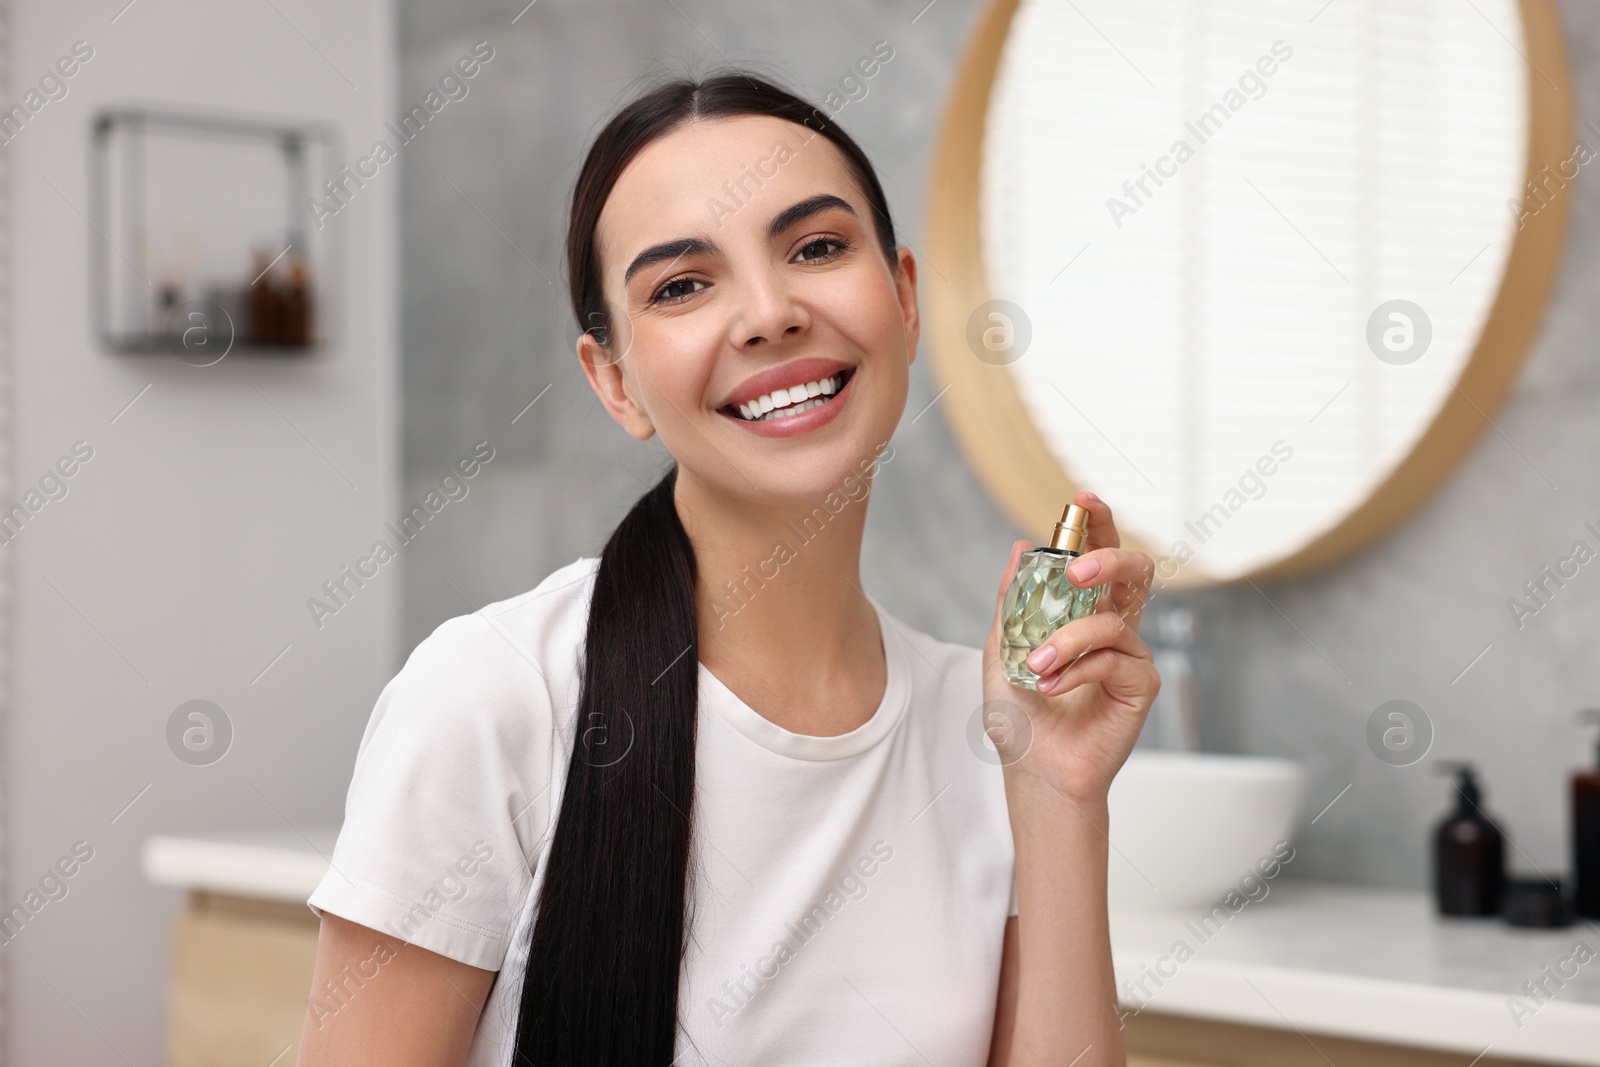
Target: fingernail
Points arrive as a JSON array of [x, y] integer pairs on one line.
[[1091, 495], [1044, 685], [1041, 658], [1084, 570]]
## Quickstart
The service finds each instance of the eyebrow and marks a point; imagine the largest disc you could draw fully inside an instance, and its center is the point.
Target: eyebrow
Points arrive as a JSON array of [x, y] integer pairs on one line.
[[695, 246]]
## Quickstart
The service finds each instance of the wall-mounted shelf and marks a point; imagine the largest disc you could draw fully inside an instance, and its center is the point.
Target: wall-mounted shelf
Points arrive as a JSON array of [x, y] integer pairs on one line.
[[204, 243]]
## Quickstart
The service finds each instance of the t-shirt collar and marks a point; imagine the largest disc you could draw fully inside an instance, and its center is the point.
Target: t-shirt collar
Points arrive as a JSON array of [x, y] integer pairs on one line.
[[771, 736]]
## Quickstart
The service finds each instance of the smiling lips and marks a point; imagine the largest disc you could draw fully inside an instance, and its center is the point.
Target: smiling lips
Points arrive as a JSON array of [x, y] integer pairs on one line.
[[784, 403], [788, 391]]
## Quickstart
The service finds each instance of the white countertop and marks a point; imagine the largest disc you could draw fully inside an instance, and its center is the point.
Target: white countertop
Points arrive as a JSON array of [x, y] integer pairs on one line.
[[270, 865], [1373, 964], [1351, 961]]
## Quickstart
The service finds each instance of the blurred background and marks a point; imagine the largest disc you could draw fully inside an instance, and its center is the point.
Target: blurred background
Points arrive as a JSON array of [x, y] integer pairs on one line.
[[423, 310]]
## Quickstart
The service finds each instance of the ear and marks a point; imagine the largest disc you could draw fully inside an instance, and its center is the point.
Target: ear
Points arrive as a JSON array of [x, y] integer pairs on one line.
[[609, 380], [905, 280]]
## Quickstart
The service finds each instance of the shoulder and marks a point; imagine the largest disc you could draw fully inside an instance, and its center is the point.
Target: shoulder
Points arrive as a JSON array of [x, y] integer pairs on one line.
[[530, 619], [463, 763], [947, 725], [539, 632], [945, 664], [503, 674], [944, 680]]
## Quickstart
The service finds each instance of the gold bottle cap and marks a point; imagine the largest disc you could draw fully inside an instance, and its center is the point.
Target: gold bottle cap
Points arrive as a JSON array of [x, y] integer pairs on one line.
[[1071, 533]]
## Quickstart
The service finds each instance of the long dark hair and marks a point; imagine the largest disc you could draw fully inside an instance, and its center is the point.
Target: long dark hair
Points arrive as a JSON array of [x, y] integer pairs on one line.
[[606, 948]]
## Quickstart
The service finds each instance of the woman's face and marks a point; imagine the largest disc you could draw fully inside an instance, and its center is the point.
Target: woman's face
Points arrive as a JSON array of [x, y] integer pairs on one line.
[[756, 324]]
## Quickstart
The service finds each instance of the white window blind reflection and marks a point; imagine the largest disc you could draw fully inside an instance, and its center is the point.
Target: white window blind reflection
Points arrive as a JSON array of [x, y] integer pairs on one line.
[[1221, 310]]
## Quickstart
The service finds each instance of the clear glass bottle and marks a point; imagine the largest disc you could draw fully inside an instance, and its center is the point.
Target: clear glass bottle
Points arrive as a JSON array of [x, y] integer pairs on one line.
[[1042, 599]]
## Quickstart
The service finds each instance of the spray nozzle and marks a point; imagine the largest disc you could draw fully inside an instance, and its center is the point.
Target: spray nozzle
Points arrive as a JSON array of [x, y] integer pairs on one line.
[[1071, 533], [1466, 781]]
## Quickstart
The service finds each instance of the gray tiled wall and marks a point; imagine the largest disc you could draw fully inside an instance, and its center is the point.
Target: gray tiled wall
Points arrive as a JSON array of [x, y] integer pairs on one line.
[[1294, 669]]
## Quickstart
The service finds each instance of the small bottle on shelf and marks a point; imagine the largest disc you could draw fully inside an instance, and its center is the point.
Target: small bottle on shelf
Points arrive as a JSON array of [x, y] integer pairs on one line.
[[296, 303], [265, 313]]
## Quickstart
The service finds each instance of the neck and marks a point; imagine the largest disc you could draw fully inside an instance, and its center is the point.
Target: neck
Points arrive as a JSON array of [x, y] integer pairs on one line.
[[784, 620]]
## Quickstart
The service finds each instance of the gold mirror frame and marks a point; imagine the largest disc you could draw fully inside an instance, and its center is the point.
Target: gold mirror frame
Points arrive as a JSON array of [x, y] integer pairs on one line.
[[996, 430]]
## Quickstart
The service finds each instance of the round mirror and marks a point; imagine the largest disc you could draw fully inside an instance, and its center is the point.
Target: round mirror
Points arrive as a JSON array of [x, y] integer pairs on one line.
[[1256, 272]]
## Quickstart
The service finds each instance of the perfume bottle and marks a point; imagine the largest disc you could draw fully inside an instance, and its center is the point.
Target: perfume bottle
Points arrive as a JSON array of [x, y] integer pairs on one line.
[[1042, 599]]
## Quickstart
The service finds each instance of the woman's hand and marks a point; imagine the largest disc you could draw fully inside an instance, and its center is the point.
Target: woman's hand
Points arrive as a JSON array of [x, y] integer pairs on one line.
[[1097, 679], [1060, 748]]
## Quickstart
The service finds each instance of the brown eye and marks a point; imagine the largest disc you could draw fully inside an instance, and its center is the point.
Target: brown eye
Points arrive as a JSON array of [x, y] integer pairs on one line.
[[822, 242], [673, 291]]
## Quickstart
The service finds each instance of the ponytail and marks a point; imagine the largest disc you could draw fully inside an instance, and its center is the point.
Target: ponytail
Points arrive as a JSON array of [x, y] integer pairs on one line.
[[602, 982]]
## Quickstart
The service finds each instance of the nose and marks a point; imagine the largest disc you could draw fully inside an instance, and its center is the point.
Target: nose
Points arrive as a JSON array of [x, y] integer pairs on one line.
[[767, 310]]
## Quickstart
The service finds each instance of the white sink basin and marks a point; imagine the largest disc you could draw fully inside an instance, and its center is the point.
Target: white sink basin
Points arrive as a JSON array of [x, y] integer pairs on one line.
[[1186, 827]]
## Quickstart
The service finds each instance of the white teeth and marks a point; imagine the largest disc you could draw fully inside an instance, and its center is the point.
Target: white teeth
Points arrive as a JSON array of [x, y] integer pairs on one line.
[[796, 409], [781, 403]]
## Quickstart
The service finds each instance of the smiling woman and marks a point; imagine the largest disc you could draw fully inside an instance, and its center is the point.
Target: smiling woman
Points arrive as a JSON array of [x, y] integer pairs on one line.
[[763, 751]]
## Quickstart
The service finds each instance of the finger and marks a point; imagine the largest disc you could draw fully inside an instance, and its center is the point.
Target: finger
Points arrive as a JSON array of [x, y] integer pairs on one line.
[[1102, 529], [1124, 678], [1085, 635], [1126, 575], [1105, 566]]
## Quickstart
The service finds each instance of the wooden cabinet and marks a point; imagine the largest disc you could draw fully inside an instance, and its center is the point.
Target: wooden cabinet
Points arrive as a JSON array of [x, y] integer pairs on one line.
[[241, 973]]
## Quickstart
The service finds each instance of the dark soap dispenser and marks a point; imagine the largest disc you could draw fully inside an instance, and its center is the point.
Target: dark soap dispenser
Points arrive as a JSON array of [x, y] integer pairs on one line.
[[1586, 832], [1469, 852]]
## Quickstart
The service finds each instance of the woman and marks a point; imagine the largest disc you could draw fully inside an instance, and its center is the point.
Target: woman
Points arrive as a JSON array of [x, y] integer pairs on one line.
[[700, 800]]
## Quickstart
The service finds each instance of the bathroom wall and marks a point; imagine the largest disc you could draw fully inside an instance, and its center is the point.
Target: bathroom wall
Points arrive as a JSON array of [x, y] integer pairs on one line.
[[216, 501], [1295, 669]]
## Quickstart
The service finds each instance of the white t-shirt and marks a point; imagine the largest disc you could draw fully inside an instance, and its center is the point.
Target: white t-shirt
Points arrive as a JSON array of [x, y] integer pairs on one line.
[[849, 895]]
